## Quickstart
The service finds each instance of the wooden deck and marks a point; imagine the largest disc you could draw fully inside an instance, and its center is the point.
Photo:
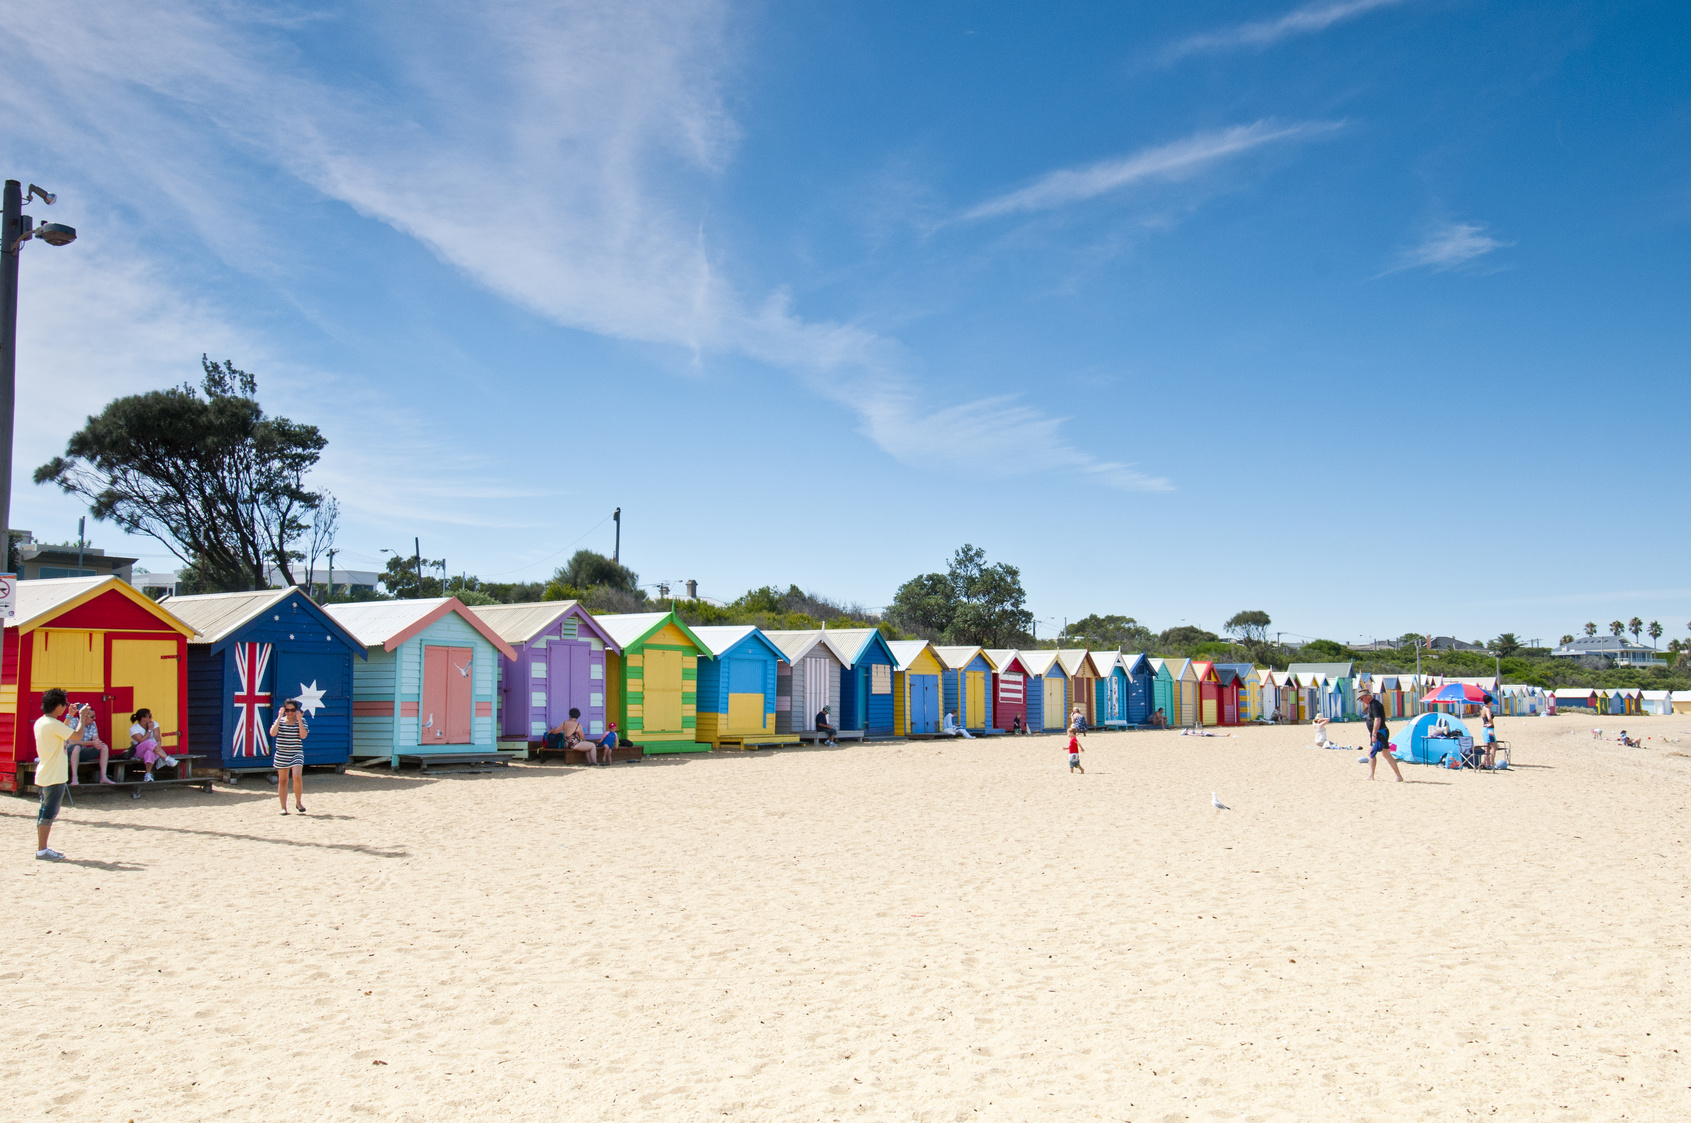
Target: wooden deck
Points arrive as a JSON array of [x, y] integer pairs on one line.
[[127, 775], [810, 735], [755, 741], [425, 761]]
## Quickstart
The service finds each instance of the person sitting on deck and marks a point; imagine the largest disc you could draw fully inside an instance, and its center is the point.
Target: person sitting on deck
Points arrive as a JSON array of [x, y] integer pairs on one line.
[[81, 718], [953, 729], [1077, 721], [148, 742], [567, 734], [1159, 720], [827, 730]]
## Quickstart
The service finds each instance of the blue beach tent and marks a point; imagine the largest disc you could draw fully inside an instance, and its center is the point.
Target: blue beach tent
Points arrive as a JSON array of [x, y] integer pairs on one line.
[[1416, 747]]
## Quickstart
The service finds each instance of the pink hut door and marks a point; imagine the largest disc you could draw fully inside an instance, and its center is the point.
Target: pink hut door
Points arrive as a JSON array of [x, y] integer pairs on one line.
[[448, 695]]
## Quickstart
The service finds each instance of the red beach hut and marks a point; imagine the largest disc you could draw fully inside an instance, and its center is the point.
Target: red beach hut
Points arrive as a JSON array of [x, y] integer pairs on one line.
[[1009, 688], [104, 644]]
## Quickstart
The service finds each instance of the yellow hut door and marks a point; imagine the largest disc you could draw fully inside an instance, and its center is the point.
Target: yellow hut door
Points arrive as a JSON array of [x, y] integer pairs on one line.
[[1056, 714], [151, 666], [661, 692], [975, 684]]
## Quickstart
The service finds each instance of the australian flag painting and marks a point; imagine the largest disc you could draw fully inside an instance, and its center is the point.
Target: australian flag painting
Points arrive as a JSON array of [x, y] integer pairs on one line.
[[252, 660]]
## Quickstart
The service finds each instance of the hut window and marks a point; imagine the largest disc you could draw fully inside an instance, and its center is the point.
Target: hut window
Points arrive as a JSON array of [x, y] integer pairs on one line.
[[596, 672], [537, 669], [595, 700], [537, 729], [596, 728], [880, 679], [596, 644], [537, 699]]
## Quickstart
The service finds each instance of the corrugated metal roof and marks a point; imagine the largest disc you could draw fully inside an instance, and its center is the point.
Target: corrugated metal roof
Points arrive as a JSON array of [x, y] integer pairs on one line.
[[852, 641], [798, 644], [1039, 662], [629, 627], [37, 600], [1000, 656], [215, 615], [377, 621], [905, 651], [1074, 658], [518, 623], [956, 657], [719, 638]]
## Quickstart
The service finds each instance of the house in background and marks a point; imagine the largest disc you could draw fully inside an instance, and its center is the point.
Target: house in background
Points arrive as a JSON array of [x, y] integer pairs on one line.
[[41, 561], [1618, 650]]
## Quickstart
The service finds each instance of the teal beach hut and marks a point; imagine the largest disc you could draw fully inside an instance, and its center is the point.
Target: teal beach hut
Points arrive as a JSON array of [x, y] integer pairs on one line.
[[429, 682]]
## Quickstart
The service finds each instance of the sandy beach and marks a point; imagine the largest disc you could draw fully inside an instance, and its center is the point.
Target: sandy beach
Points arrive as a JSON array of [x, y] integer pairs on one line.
[[909, 931]]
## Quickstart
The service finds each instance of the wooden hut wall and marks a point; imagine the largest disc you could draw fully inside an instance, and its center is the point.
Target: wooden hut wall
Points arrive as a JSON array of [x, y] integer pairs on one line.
[[968, 694], [560, 669], [1010, 693], [658, 695], [1162, 693], [736, 691], [1054, 698], [866, 694], [916, 695]]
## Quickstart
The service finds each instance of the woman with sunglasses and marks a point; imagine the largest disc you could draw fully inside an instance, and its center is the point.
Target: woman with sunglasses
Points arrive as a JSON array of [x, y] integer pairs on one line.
[[290, 732]]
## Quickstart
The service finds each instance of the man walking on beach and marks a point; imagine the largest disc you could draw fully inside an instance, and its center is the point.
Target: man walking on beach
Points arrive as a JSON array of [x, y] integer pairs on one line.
[[1380, 738], [52, 770]]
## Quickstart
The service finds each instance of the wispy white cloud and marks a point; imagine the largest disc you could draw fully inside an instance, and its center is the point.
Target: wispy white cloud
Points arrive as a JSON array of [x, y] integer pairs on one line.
[[562, 155], [1446, 246], [1171, 161], [1305, 20]]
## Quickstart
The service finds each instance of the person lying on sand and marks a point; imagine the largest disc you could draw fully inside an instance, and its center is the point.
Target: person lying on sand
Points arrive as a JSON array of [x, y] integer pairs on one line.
[[1202, 733]]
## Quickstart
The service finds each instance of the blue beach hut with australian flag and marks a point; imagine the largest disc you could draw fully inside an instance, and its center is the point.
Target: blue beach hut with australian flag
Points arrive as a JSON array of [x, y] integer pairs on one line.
[[250, 653]]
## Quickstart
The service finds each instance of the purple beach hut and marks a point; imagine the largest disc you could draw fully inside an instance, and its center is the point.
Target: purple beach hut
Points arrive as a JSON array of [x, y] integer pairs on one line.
[[560, 664]]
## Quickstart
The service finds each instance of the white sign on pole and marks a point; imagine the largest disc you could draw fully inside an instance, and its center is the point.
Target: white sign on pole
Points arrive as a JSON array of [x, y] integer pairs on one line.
[[8, 595]]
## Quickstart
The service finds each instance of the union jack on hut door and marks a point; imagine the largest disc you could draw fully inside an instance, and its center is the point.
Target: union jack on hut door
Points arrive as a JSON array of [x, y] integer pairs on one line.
[[252, 660]]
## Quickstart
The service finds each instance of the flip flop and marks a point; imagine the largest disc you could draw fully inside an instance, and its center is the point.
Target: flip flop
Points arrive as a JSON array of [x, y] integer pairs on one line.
[[284, 810], [300, 807]]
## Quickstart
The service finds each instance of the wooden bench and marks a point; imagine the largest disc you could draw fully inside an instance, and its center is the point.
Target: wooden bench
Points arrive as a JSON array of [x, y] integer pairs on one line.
[[746, 741], [128, 774], [809, 735], [424, 760]]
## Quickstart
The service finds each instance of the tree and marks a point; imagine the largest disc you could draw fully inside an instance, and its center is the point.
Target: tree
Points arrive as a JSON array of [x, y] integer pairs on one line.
[[1103, 633], [1655, 632], [1590, 628], [1567, 639], [924, 605], [1412, 639], [400, 578], [970, 603], [1635, 625], [1250, 627], [1184, 637], [325, 524], [205, 472], [587, 570], [1616, 627], [1505, 645]]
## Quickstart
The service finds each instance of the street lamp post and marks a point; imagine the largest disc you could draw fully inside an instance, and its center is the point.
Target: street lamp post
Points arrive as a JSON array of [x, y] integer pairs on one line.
[[16, 228]]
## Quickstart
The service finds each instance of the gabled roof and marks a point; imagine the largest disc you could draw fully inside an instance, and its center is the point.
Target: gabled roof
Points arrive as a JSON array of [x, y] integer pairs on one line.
[[857, 642], [1157, 663], [905, 652], [39, 601], [1179, 667], [1202, 669], [216, 617], [1575, 691], [389, 623], [1039, 662], [1243, 670], [1226, 673], [517, 624], [795, 645], [719, 640], [1078, 661], [629, 628], [956, 658]]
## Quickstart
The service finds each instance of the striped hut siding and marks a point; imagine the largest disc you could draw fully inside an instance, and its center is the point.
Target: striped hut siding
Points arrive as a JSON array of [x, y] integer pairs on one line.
[[1009, 688], [641, 637], [374, 706], [796, 703]]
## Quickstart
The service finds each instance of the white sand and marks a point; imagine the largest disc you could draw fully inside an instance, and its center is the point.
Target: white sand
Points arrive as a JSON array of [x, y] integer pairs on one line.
[[905, 931]]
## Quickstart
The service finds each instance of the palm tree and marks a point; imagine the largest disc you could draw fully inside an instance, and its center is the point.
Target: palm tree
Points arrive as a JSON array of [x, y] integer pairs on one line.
[[1616, 627], [1567, 640], [1635, 625], [1655, 632], [1591, 629]]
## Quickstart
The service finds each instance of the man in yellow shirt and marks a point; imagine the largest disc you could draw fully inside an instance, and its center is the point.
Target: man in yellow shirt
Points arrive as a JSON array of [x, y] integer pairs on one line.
[[52, 770]]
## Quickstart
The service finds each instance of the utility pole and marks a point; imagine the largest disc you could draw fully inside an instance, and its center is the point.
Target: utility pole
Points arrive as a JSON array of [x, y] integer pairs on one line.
[[417, 545], [331, 575], [616, 554], [81, 541], [15, 228]]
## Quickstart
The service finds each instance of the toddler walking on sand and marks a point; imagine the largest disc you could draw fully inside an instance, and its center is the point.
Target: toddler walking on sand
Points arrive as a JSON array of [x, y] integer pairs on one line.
[[1074, 753]]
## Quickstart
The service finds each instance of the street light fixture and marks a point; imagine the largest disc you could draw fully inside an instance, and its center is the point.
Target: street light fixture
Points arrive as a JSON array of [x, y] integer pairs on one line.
[[16, 228]]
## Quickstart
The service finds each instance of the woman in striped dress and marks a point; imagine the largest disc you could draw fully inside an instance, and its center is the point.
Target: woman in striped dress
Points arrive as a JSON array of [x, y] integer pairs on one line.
[[290, 732]]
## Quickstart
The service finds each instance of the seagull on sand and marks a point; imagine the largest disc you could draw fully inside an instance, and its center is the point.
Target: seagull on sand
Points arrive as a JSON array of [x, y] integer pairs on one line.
[[1215, 802]]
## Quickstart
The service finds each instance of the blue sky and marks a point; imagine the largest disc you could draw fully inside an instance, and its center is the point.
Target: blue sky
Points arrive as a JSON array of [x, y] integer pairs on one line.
[[1368, 313]]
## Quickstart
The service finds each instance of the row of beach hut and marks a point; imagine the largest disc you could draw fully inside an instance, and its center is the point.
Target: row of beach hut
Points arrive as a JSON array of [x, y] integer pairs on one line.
[[393, 680]]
